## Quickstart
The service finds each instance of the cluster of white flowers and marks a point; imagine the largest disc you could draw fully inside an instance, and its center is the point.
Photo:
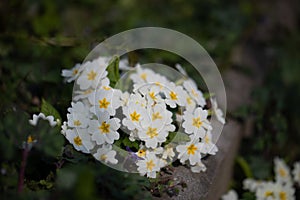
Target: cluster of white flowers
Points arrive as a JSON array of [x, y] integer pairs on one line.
[[281, 188], [101, 115]]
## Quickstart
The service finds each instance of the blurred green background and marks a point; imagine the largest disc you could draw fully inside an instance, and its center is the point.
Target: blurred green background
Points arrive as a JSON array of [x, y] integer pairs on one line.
[[40, 38]]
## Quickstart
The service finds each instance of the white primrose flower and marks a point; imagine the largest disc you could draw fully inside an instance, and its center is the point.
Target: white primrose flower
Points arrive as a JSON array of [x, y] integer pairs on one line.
[[266, 191], [149, 165], [153, 133], [284, 192], [79, 139], [168, 153], [199, 167], [196, 122], [142, 75], [296, 172], [35, 119], [135, 114], [217, 111], [230, 195], [106, 154], [175, 95], [251, 184], [138, 99], [77, 120], [282, 172], [189, 103], [92, 73], [104, 130], [193, 91], [190, 151], [207, 146], [152, 95], [72, 74], [105, 100]]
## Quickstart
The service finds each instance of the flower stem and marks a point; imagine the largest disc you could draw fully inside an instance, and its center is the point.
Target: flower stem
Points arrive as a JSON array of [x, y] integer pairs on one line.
[[22, 169]]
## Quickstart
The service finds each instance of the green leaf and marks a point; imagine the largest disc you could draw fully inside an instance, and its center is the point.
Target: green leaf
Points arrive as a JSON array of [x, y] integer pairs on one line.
[[113, 71], [177, 137], [48, 109], [130, 144]]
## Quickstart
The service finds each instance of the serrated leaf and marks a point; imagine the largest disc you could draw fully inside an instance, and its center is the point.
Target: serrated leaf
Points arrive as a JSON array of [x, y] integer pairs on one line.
[[113, 71], [48, 109]]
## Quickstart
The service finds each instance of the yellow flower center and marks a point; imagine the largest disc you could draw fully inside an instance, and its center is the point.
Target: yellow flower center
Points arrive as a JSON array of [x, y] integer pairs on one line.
[[75, 71], [268, 193], [141, 153], [104, 128], [143, 76], [77, 123], [150, 164], [282, 195], [135, 116], [78, 141], [103, 103], [106, 88], [29, 139], [156, 116], [197, 122], [282, 172], [152, 95], [91, 75], [158, 84], [173, 95], [189, 100], [152, 132], [191, 149], [87, 91], [206, 139], [103, 157], [194, 93]]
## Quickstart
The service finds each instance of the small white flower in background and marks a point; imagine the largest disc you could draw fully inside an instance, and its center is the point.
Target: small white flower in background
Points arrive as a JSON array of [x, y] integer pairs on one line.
[[106, 154], [190, 151], [149, 165], [196, 122], [282, 172], [266, 191], [296, 172], [104, 130], [193, 91], [35, 119], [251, 184], [231, 195], [72, 74], [217, 111], [199, 167], [29, 143]]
